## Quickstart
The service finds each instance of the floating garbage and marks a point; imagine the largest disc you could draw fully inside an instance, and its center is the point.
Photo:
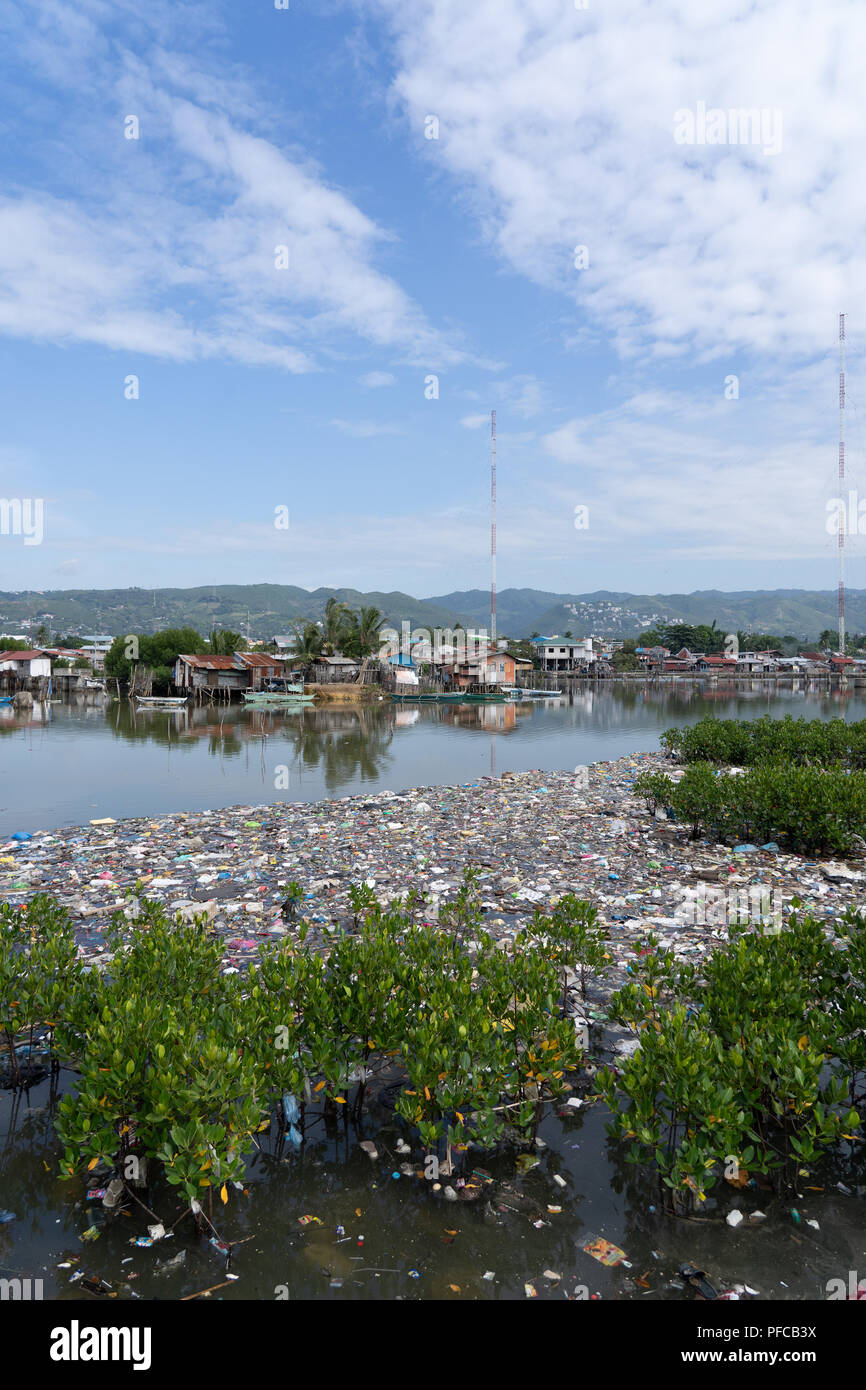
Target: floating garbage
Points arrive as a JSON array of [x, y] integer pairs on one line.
[[97, 1286], [235, 866], [698, 1280], [604, 1251]]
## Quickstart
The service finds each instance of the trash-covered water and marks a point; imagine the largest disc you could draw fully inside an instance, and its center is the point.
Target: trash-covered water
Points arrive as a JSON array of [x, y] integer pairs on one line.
[[376, 1237], [371, 1235], [66, 764]]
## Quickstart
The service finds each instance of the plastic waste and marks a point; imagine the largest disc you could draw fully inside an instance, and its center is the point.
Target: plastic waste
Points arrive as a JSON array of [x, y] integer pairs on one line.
[[698, 1280]]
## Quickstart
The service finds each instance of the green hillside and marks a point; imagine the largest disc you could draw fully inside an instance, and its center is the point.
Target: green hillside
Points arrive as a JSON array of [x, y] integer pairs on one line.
[[270, 609]]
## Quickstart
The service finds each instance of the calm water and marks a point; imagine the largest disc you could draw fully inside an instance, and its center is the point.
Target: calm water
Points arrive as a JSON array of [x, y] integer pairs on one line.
[[449, 1246], [69, 763], [72, 763]]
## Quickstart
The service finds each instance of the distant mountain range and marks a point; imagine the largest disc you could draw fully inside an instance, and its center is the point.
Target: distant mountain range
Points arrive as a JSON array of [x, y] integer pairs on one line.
[[268, 610], [800, 613]]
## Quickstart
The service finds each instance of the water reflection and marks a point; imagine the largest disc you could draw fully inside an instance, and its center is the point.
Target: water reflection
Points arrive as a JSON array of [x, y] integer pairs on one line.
[[69, 762]]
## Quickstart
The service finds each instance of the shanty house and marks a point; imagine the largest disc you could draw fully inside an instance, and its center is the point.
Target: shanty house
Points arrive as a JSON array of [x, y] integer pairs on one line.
[[498, 669], [335, 668], [717, 664], [240, 671], [29, 663]]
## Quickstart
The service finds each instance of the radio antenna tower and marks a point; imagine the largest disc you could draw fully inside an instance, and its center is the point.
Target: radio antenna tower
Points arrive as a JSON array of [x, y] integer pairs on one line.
[[841, 484], [493, 529]]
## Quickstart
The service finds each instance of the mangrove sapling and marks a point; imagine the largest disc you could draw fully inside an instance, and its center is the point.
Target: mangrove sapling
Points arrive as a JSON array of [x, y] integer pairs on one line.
[[656, 788], [849, 1042], [736, 1069], [293, 899], [744, 743], [182, 1064], [810, 808], [363, 901], [569, 937], [39, 974], [670, 1101], [655, 973], [463, 916]]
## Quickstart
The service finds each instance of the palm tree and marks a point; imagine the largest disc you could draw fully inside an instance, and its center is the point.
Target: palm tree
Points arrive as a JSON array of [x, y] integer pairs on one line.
[[361, 632], [308, 643], [368, 621], [334, 625]]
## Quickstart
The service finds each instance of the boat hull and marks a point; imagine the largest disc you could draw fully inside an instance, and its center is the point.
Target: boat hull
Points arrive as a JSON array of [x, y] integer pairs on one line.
[[449, 699]]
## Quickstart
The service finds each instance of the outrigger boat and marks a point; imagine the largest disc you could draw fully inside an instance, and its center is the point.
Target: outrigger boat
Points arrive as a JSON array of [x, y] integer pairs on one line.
[[450, 697], [523, 693], [257, 699], [278, 692], [161, 701]]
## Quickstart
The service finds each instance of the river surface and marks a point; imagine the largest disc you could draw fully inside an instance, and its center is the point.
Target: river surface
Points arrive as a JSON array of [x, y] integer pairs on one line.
[[69, 763], [412, 1244]]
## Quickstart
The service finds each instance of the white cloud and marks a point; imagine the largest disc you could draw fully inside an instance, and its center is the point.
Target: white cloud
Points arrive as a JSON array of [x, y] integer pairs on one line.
[[692, 485], [559, 125], [474, 422], [171, 244], [373, 380], [523, 395]]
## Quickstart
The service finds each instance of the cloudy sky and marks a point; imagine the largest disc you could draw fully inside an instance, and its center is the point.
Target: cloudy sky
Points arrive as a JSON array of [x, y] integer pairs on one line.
[[257, 260]]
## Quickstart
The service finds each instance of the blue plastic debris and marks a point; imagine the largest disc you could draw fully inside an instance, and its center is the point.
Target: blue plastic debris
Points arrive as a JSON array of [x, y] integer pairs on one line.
[[6, 1217], [745, 849], [291, 1113], [21, 835], [772, 846]]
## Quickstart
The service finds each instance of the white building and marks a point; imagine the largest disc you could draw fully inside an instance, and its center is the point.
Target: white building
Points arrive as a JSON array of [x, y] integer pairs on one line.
[[95, 647], [563, 654], [32, 663]]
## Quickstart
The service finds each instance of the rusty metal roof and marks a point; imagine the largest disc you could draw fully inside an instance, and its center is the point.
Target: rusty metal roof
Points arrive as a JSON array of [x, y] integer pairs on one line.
[[256, 659], [211, 663]]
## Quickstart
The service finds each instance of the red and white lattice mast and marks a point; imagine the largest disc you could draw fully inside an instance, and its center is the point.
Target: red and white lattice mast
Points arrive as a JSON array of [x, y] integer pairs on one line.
[[493, 529], [842, 484]]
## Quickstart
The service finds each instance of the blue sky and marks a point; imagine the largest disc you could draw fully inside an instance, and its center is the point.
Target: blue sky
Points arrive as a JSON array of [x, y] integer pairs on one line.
[[304, 387]]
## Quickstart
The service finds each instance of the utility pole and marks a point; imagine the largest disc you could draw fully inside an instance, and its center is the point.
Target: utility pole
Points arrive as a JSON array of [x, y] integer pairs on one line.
[[493, 529], [842, 484]]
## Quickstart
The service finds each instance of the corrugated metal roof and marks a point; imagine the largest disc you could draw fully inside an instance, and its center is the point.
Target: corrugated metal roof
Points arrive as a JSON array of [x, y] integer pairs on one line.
[[256, 659], [22, 656], [211, 663]]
